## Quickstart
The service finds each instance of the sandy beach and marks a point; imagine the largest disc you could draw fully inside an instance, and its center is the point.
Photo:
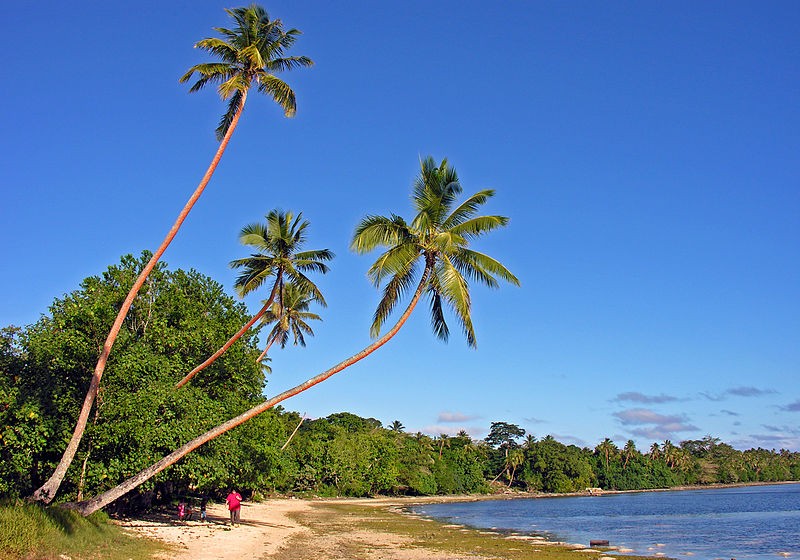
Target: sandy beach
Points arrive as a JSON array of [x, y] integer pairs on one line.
[[264, 529], [293, 529]]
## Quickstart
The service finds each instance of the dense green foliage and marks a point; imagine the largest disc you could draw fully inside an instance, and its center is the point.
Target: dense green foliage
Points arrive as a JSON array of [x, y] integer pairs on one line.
[[178, 319]]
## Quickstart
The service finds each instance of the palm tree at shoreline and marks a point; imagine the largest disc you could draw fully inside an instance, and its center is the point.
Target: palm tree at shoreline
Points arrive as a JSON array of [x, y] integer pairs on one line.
[[439, 237], [278, 243], [251, 53], [514, 459]]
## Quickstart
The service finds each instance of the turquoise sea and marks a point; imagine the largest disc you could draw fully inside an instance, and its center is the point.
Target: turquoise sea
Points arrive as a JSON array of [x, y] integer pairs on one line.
[[753, 522]]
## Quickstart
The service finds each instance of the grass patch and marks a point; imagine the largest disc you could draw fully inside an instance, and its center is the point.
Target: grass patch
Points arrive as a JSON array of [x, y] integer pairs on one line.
[[332, 520], [32, 532]]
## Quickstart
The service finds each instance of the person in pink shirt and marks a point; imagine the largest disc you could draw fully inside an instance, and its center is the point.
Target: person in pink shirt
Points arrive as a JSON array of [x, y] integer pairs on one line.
[[234, 501]]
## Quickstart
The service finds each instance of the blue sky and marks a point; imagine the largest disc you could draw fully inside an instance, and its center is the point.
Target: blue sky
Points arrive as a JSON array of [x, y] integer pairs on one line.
[[646, 153]]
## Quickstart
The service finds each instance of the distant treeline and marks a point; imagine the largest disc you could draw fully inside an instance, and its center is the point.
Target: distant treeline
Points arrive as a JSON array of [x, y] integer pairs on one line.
[[178, 319]]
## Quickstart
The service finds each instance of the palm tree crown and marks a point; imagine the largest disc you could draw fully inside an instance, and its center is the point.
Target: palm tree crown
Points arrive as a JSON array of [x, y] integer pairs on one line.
[[289, 313], [437, 239], [250, 53], [278, 243]]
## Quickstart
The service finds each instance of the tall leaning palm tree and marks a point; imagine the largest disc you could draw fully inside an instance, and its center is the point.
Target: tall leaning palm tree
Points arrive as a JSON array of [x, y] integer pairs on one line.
[[251, 53], [435, 245], [277, 243], [289, 314]]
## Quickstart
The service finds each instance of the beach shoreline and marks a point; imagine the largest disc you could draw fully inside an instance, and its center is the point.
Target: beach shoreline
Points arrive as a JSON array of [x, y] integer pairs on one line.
[[335, 529], [385, 527]]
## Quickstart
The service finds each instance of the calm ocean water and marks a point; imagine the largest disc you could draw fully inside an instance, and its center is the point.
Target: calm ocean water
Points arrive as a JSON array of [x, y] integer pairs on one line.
[[756, 522]]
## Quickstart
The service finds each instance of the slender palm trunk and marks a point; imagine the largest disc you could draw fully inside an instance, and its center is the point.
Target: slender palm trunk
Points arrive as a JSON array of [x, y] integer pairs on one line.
[[92, 505], [231, 340], [285, 445], [264, 353], [48, 490], [82, 481]]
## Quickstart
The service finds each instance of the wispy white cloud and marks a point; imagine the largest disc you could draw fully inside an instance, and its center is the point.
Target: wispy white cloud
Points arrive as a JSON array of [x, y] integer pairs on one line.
[[747, 392], [774, 440], [456, 417], [634, 396], [651, 425], [792, 407], [570, 440], [533, 420], [750, 391], [730, 412], [790, 430], [646, 416], [439, 429]]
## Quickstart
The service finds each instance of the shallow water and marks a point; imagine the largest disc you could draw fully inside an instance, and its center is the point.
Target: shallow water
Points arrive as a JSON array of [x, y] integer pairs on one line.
[[754, 522]]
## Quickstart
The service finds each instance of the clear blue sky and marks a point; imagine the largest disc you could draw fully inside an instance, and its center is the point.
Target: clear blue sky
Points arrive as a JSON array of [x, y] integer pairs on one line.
[[647, 153]]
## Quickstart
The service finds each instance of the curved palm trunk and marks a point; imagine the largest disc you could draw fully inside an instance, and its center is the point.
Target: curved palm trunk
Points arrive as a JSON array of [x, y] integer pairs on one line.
[[48, 490], [90, 506], [264, 353], [231, 340]]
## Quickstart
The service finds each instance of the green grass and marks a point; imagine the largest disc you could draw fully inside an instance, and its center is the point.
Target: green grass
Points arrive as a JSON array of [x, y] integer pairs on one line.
[[32, 532], [338, 519]]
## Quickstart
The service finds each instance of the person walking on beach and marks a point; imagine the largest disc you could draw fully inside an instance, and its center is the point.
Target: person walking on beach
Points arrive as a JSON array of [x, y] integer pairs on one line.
[[234, 501]]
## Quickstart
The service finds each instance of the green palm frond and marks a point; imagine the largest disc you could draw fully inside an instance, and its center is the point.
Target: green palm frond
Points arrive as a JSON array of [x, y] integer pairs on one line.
[[394, 261], [468, 208], [455, 290], [205, 80], [435, 190], [468, 262], [236, 83], [393, 292], [225, 122], [447, 241], [279, 91], [305, 284], [254, 235], [479, 225], [251, 56], [312, 260], [288, 63], [473, 271], [219, 48], [285, 40], [253, 276], [438, 323], [210, 72], [379, 231]]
